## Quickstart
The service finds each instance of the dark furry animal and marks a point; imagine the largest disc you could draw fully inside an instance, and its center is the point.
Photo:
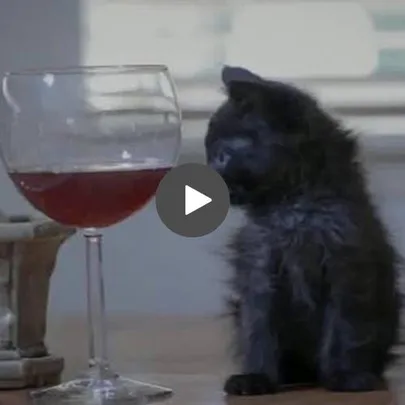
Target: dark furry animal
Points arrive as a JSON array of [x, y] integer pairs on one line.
[[314, 273]]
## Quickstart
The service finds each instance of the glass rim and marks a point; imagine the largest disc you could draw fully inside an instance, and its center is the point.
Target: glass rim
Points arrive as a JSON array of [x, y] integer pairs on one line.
[[90, 69]]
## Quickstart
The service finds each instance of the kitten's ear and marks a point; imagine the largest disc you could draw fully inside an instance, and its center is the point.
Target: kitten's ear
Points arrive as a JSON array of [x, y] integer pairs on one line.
[[242, 83], [231, 75], [243, 86], [287, 106]]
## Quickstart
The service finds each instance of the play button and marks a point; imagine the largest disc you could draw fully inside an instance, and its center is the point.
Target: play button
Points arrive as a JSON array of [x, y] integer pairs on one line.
[[192, 200]]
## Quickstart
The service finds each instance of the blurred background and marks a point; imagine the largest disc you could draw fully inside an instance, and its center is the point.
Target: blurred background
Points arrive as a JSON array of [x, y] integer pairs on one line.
[[349, 54]]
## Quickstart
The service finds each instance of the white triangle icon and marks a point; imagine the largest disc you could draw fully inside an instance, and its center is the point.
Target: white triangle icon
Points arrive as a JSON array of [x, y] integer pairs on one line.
[[194, 200]]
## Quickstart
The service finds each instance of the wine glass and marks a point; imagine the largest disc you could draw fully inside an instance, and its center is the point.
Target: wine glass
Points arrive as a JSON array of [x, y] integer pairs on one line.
[[88, 146]]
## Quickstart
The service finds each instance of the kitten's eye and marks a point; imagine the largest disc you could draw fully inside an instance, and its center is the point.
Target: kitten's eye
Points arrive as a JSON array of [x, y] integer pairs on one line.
[[240, 143]]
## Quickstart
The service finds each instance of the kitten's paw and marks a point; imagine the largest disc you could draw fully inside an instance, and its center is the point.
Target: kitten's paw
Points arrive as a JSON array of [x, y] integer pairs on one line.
[[249, 384], [353, 382]]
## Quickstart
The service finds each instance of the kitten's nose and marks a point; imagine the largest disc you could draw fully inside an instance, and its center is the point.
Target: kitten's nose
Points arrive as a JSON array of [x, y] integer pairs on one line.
[[219, 161]]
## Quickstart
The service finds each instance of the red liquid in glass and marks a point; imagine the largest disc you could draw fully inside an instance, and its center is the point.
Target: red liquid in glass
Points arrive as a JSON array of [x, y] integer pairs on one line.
[[89, 199]]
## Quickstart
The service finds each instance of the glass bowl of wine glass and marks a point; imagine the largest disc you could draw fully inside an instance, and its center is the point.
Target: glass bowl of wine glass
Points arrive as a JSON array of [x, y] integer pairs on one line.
[[87, 147]]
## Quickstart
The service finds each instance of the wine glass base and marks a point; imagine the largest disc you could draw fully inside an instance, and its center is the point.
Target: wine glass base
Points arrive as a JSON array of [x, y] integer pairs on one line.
[[88, 391]]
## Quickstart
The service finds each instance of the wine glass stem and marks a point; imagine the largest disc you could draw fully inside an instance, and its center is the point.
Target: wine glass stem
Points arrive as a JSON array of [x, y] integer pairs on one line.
[[98, 358]]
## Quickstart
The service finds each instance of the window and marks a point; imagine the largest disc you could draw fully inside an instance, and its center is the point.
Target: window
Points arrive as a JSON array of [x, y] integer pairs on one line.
[[352, 46]]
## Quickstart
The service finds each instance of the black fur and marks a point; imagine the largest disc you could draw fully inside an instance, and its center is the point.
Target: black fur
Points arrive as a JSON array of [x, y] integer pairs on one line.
[[314, 272]]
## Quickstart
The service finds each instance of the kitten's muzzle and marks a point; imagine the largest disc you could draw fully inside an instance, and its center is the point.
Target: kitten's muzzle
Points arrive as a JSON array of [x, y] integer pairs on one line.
[[219, 161]]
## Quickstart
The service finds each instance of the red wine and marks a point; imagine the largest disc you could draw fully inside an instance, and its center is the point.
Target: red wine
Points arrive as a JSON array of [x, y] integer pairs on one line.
[[89, 199]]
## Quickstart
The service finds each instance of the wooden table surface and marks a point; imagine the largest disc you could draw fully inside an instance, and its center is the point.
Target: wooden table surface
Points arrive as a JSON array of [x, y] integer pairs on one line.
[[187, 354]]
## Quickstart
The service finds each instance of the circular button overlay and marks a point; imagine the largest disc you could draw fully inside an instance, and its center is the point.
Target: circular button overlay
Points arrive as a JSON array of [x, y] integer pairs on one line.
[[192, 200]]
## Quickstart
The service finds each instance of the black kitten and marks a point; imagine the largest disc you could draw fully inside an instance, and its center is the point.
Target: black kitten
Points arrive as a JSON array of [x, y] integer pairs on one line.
[[314, 273]]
